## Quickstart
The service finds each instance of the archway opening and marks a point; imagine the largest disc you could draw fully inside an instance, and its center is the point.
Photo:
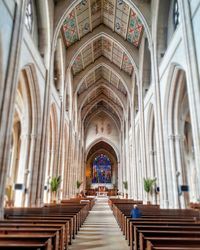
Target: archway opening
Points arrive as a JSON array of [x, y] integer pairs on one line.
[[101, 169]]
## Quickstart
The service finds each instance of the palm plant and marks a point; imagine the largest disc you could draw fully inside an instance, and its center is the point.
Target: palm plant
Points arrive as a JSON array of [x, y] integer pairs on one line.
[[78, 184], [9, 194], [54, 185], [125, 183], [148, 185]]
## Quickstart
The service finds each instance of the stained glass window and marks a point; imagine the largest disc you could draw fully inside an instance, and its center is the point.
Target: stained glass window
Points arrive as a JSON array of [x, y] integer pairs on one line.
[[101, 169], [176, 14], [29, 16]]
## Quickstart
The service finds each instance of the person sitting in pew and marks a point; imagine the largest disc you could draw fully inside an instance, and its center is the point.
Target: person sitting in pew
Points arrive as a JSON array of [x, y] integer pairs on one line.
[[135, 212]]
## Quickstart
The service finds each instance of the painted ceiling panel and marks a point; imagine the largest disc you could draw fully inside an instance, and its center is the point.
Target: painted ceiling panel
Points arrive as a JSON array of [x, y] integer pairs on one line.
[[70, 29], [121, 18], [103, 73], [135, 29], [102, 47], [82, 15], [127, 65], [77, 65], [116, 14]]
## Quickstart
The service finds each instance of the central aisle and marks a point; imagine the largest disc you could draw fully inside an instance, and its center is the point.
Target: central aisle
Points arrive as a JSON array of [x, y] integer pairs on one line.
[[100, 230]]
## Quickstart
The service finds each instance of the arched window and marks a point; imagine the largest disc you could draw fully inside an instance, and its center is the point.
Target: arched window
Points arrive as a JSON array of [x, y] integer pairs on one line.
[[29, 16], [176, 14], [101, 169]]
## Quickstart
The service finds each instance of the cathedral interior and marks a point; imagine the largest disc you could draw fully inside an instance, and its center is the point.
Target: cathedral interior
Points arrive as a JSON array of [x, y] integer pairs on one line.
[[100, 96]]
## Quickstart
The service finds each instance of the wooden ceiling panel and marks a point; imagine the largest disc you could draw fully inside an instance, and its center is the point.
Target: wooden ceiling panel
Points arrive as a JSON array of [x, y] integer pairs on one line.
[[115, 14]]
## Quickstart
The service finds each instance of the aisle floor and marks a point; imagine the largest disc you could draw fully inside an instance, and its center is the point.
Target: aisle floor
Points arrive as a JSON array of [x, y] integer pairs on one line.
[[100, 230]]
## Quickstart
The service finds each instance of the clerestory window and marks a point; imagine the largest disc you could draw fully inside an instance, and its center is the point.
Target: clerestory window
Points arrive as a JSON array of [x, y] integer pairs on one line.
[[176, 14], [29, 16]]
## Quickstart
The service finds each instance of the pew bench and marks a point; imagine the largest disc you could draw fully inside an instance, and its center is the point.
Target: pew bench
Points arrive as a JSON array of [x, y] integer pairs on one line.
[[143, 235], [191, 243]]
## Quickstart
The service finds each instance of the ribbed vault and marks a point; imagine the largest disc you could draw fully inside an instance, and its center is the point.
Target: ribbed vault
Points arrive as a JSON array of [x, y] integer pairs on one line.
[[102, 40]]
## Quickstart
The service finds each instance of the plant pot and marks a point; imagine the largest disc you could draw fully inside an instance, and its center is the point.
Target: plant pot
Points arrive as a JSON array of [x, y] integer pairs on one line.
[[54, 197], [10, 204]]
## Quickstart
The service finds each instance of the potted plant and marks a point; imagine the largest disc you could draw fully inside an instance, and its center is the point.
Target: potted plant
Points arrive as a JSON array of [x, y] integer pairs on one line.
[[54, 185], [125, 183], [9, 195], [78, 184], [148, 186]]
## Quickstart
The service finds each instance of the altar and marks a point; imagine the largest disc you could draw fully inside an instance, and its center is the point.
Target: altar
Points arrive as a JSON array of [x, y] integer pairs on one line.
[[97, 185], [101, 191]]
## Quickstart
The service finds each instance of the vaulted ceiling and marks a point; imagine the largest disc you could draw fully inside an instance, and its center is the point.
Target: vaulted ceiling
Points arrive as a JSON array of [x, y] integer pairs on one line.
[[115, 14], [102, 47], [102, 67]]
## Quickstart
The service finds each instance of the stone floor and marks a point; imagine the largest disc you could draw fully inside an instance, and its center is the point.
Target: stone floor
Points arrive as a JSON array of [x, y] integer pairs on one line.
[[100, 230]]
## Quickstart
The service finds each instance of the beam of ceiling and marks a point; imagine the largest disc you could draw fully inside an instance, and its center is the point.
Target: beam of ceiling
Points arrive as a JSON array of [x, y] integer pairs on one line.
[[102, 31], [102, 61], [102, 83]]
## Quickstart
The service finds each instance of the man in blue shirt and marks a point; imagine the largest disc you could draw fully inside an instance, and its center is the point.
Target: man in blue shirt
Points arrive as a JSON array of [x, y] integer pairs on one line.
[[135, 212]]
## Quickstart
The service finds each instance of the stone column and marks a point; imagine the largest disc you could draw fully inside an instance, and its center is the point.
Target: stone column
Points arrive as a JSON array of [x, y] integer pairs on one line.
[[174, 171], [66, 168], [179, 139], [60, 137], [29, 170], [192, 76], [9, 89], [159, 128], [152, 155], [23, 164]]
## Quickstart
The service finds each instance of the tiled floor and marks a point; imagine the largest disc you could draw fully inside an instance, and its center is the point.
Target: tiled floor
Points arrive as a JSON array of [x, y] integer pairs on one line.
[[100, 230]]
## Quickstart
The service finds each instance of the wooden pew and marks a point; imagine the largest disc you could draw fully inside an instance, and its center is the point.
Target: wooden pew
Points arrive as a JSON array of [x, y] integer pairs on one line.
[[59, 222], [144, 235], [161, 228], [16, 240], [154, 243], [133, 228], [57, 236], [43, 224]]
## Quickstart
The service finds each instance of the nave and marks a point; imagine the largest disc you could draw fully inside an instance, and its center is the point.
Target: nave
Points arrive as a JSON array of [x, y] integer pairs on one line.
[[100, 230], [99, 98]]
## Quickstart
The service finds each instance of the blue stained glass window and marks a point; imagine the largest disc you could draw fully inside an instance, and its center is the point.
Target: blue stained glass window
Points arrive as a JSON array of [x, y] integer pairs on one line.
[[101, 169]]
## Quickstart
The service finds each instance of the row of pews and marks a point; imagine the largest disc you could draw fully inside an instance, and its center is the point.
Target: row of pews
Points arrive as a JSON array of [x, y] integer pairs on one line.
[[51, 227], [157, 229]]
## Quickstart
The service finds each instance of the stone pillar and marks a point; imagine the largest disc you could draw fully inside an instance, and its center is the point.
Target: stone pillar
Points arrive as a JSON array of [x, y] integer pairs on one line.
[[142, 136], [60, 138], [9, 87], [152, 174], [164, 203], [179, 140], [19, 194], [174, 171], [29, 170], [192, 76], [66, 168]]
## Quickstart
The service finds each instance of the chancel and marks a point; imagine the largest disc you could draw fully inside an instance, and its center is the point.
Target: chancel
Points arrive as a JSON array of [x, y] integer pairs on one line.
[[99, 113]]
